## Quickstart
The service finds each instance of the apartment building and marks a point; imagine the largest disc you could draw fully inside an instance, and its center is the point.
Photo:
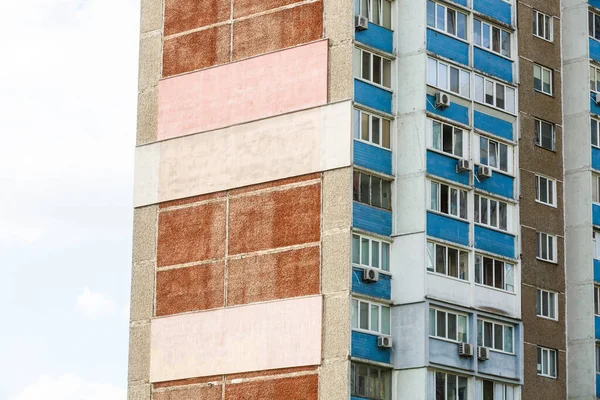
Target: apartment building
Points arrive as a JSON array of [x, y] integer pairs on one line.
[[363, 199]]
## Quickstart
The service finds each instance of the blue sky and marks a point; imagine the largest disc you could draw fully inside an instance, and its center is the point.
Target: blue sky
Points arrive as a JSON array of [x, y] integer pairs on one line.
[[68, 93]]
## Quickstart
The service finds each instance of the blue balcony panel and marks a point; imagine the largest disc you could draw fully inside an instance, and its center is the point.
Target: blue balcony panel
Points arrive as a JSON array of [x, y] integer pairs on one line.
[[500, 184], [597, 385], [447, 46], [447, 228], [371, 219], [597, 270], [594, 108], [372, 96], [596, 158], [596, 214], [594, 49], [500, 364], [597, 327], [461, 2], [495, 242], [381, 289], [455, 112], [497, 9], [493, 64], [372, 157], [594, 3], [445, 167], [493, 125], [376, 36], [364, 346], [446, 353]]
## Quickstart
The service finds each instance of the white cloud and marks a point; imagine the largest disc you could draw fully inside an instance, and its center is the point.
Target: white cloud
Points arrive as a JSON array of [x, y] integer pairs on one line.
[[70, 387], [95, 304]]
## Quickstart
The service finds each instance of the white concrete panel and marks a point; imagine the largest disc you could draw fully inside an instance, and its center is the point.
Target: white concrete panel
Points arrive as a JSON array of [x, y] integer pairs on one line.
[[256, 337], [411, 339], [448, 289], [488, 298], [574, 30], [410, 265], [576, 93], [411, 384], [146, 171], [261, 151]]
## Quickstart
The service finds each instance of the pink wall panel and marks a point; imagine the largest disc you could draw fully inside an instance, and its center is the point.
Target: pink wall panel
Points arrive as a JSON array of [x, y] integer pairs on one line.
[[248, 90]]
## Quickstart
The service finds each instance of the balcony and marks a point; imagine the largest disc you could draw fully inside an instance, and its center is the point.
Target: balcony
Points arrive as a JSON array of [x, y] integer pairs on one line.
[[596, 214], [493, 125], [596, 158], [447, 228], [497, 9], [364, 345], [444, 352], [594, 49], [447, 46], [494, 241], [501, 364], [493, 64], [445, 167], [381, 288], [499, 183], [597, 270], [372, 96], [455, 112], [372, 157], [371, 219], [377, 37]]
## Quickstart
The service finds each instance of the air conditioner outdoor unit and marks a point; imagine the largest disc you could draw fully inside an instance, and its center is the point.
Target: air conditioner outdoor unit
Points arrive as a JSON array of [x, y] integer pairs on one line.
[[596, 98], [483, 353], [370, 275], [463, 165], [465, 350], [484, 172], [361, 23], [442, 100], [384, 341]]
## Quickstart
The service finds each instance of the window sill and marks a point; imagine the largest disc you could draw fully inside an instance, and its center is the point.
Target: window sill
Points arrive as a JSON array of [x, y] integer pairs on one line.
[[377, 85], [544, 39], [495, 289], [546, 204], [544, 93], [373, 144], [382, 272], [467, 282], [547, 318], [449, 92], [492, 52], [547, 261], [491, 228], [466, 221], [512, 114], [443, 153], [500, 351], [465, 41], [545, 148], [547, 376], [456, 342]]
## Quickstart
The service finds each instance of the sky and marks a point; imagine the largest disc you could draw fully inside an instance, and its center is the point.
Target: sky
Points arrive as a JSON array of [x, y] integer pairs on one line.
[[68, 94]]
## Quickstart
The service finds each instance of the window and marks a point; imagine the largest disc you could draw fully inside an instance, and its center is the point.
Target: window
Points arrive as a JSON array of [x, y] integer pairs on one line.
[[450, 386], [494, 273], [447, 260], [596, 300], [546, 304], [447, 325], [371, 128], [495, 336], [491, 212], [448, 77], [372, 382], [544, 135], [373, 68], [594, 25], [378, 11], [370, 317], [595, 132], [596, 188], [491, 37], [448, 200], [594, 78], [497, 391], [493, 153], [447, 138], [447, 20], [546, 362], [372, 190], [545, 190], [371, 253], [597, 358], [546, 247], [494, 94], [542, 79], [596, 244], [542, 25]]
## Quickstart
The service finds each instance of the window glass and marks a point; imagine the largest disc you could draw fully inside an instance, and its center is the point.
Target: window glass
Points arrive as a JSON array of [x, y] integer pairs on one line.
[[430, 13], [364, 315], [355, 249], [477, 32], [366, 66], [387, 14], [385, 320]]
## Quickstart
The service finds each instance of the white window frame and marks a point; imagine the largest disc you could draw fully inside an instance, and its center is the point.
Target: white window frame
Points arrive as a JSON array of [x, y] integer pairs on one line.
[[433, 325], [595, 130], [461, 212], [380, 21], [360, 53], [501, 389], [550, 242], [481, 97], [508, 273], [480, 325], [383, 182], [462, 273], [456, 133], [484, 25], [381, 246], [457, 379], [550, 303], [550, 192], [597, 300], [358, 129], [593, 20], [596, 244], [497, 153], [356, 326], [437, 6], [594, 78], [597, 357], [543, 73], [478, 214], [541, 365], [538, 125], [545, 34], [383, 374], [464, 77]]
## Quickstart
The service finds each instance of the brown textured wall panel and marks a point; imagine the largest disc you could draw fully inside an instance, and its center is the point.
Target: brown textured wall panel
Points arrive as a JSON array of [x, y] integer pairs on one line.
[[196, 50], [190, 289], [278, 30], [191, 234], [273, 276], [539, 273], [297, 388], [191, 393], [183, 15], [537, 387], [275, 219], [243, 8]]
